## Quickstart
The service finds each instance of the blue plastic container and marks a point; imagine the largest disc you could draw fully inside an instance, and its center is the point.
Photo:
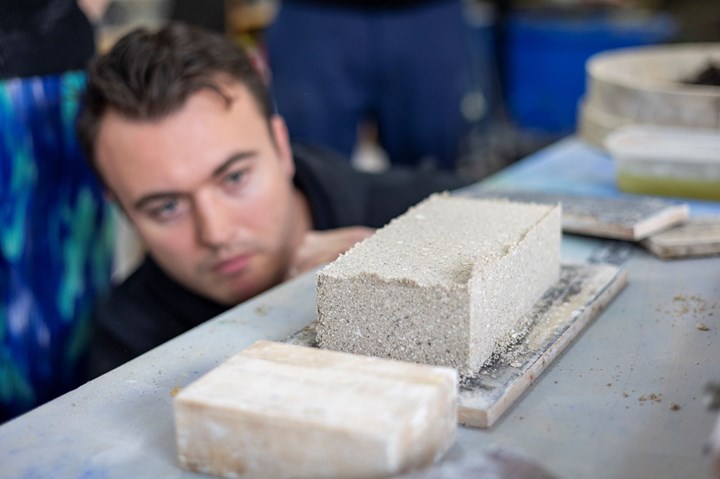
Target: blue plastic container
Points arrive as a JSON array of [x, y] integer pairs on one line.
[[546, 54]]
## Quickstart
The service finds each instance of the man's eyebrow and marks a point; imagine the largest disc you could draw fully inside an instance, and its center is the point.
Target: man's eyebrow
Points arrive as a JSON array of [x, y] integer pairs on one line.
[[232, 160], [163, 195]]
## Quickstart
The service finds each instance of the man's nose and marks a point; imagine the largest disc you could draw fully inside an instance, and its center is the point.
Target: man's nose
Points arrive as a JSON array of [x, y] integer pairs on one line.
[[214, 224]]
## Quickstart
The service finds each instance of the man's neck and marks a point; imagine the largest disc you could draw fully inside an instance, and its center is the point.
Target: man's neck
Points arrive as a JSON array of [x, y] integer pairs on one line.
[[303, 214]]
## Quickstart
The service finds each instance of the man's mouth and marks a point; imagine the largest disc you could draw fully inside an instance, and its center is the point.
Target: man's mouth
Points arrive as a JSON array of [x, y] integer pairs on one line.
[[233, 265]]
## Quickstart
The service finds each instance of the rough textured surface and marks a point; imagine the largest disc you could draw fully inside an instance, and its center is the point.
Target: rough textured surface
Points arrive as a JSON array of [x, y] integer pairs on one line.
[[280, 411], [442, 284]]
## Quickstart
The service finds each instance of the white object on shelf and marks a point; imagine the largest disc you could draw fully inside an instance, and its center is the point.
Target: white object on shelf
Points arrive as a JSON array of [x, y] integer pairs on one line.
[[665, 150], [667, 160]]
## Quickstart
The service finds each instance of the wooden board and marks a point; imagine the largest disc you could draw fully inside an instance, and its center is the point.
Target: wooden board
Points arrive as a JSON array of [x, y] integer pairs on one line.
[[581, 293], [696, 237], [618, 218]]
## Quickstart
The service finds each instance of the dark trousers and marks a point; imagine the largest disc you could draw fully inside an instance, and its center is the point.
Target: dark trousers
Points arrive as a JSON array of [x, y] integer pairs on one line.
[[406, 69]]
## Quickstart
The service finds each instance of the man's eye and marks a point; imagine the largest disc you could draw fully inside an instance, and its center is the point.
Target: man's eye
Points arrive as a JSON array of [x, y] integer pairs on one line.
[[235, 177], [234, 180], [166, 210]]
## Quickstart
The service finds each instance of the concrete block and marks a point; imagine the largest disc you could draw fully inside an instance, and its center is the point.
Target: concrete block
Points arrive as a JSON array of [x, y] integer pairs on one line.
[[443, 284]]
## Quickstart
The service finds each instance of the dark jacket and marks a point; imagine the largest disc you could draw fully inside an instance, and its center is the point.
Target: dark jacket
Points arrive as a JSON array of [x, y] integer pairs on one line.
[[149, 308]]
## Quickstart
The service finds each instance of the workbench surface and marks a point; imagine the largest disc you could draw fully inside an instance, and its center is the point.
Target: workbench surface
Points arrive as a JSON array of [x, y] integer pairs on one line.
[[625, 400]]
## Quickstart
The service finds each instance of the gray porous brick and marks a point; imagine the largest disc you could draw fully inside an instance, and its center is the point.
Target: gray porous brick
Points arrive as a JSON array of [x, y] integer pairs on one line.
[[442, 284]]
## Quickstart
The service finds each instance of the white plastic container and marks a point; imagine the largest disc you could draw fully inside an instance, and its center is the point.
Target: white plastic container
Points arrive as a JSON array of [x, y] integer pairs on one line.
[[667, 161]]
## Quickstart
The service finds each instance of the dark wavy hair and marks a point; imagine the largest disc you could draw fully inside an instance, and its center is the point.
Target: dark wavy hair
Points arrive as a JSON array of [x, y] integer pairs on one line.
[[149, 75]]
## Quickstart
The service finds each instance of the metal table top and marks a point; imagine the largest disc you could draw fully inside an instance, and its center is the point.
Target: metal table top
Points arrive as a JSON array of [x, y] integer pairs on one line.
[[625, 399]]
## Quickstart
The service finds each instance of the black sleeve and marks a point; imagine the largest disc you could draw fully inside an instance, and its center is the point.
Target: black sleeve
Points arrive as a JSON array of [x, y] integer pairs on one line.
[[341, 196], [146, 310], [115, 339], [126, 325], [393, 192]]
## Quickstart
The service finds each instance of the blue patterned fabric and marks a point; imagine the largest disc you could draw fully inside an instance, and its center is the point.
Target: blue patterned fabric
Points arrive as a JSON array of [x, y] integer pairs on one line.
[[55, 241]]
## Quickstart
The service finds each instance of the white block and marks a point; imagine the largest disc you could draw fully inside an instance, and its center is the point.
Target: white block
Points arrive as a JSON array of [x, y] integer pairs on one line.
[[284, 411], [443, 284]]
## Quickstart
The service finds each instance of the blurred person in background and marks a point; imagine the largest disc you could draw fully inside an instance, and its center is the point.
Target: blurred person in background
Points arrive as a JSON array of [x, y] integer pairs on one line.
[[400, 65]]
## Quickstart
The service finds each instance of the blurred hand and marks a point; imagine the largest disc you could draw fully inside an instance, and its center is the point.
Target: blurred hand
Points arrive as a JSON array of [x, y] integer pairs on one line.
[[94, 10], [321, 247]]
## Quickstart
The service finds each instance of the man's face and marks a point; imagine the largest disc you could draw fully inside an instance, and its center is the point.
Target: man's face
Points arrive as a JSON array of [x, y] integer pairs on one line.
[[208, 191]]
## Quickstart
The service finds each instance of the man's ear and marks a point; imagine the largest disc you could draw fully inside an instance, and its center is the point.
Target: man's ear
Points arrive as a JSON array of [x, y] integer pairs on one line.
[[282, 144]]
